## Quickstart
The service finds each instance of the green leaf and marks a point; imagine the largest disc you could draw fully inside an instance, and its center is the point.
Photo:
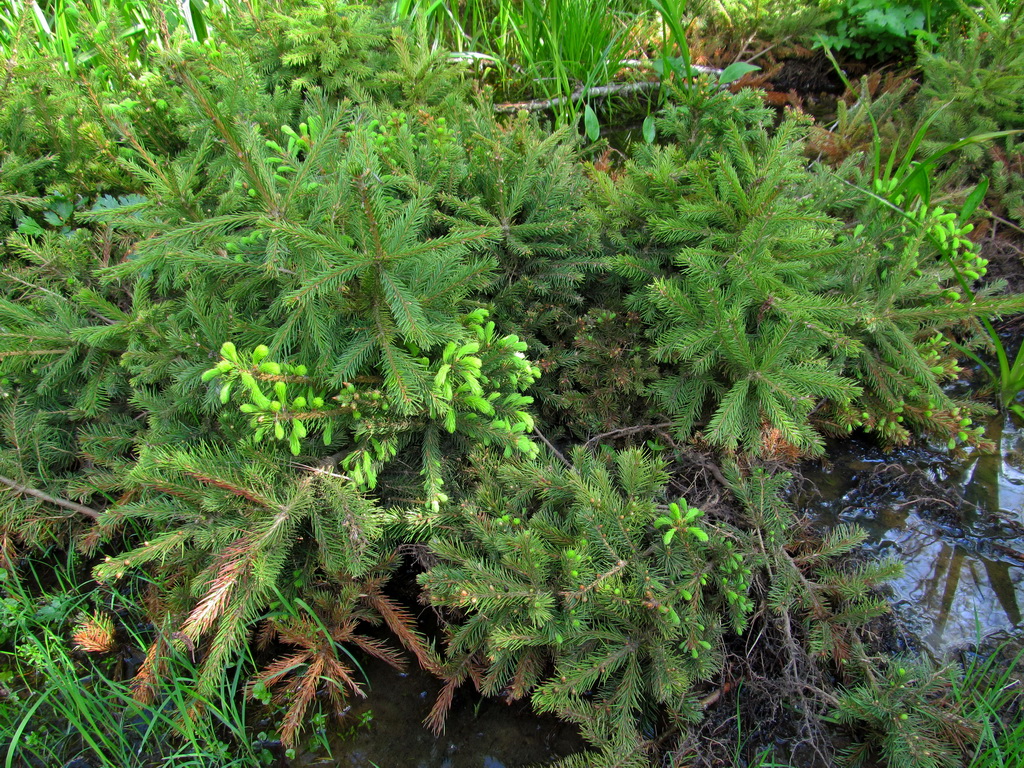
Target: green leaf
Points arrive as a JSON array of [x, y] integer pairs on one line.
[[735, 71], [197, 22], [649, 130], [671, 18], [974, 200], [918, 184], [29, 226], [925, 165], [591, 123]]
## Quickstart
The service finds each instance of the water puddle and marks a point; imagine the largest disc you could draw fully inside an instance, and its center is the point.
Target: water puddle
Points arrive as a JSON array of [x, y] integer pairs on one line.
[[480, 733], [956, 526]]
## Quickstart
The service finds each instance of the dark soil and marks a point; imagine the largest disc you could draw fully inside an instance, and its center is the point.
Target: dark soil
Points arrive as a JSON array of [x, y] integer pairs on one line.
[[808, 76], [1004, 249]]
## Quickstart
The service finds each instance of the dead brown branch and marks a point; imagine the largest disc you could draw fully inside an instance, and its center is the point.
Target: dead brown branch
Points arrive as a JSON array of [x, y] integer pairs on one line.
[[624, 431], [551, 447], [36, 493], [538, 105], [601, 91]]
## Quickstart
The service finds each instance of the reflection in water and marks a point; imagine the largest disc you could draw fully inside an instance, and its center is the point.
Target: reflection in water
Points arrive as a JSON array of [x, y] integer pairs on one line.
[[961, 578], [994, 481], [951, 591]]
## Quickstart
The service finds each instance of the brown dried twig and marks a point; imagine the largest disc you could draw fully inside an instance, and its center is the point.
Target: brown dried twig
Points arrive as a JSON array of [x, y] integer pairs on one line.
[[36, 493]]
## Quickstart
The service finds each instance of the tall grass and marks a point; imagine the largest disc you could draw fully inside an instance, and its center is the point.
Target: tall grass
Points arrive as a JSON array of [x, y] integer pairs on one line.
[[996, 688], [471, 25], [568, 44], [554, 49], [66, 29], [61, 706], [580, 38]]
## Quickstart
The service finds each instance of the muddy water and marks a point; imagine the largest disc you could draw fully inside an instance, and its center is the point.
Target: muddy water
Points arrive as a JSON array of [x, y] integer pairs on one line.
[[479, 733], [957, 526]]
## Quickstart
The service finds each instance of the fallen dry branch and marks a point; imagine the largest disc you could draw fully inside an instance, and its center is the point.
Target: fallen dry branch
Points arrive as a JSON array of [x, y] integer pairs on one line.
[[34, 492], [601, 91], [578, 95]]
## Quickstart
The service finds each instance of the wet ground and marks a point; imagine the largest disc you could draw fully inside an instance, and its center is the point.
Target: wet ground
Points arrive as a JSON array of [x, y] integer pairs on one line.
[[957, 526], [479, 733]]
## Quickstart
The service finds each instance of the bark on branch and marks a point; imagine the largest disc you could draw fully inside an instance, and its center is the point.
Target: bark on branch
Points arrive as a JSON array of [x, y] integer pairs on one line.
[[36, 493], [600, 91], [578, 95]]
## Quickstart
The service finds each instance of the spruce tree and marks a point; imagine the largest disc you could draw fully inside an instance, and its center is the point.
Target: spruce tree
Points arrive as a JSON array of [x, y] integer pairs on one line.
[[265, 316], [580, 584], [773, 322], [972, 84], [726, 262], [224, 377], [585, 589]]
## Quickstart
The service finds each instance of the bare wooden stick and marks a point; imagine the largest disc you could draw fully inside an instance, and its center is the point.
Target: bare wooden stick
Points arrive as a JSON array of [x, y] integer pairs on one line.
[[627, 431], [600, 91], [649, 64], [554, 450], [711, 467], [73, 506], [578, 95]]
